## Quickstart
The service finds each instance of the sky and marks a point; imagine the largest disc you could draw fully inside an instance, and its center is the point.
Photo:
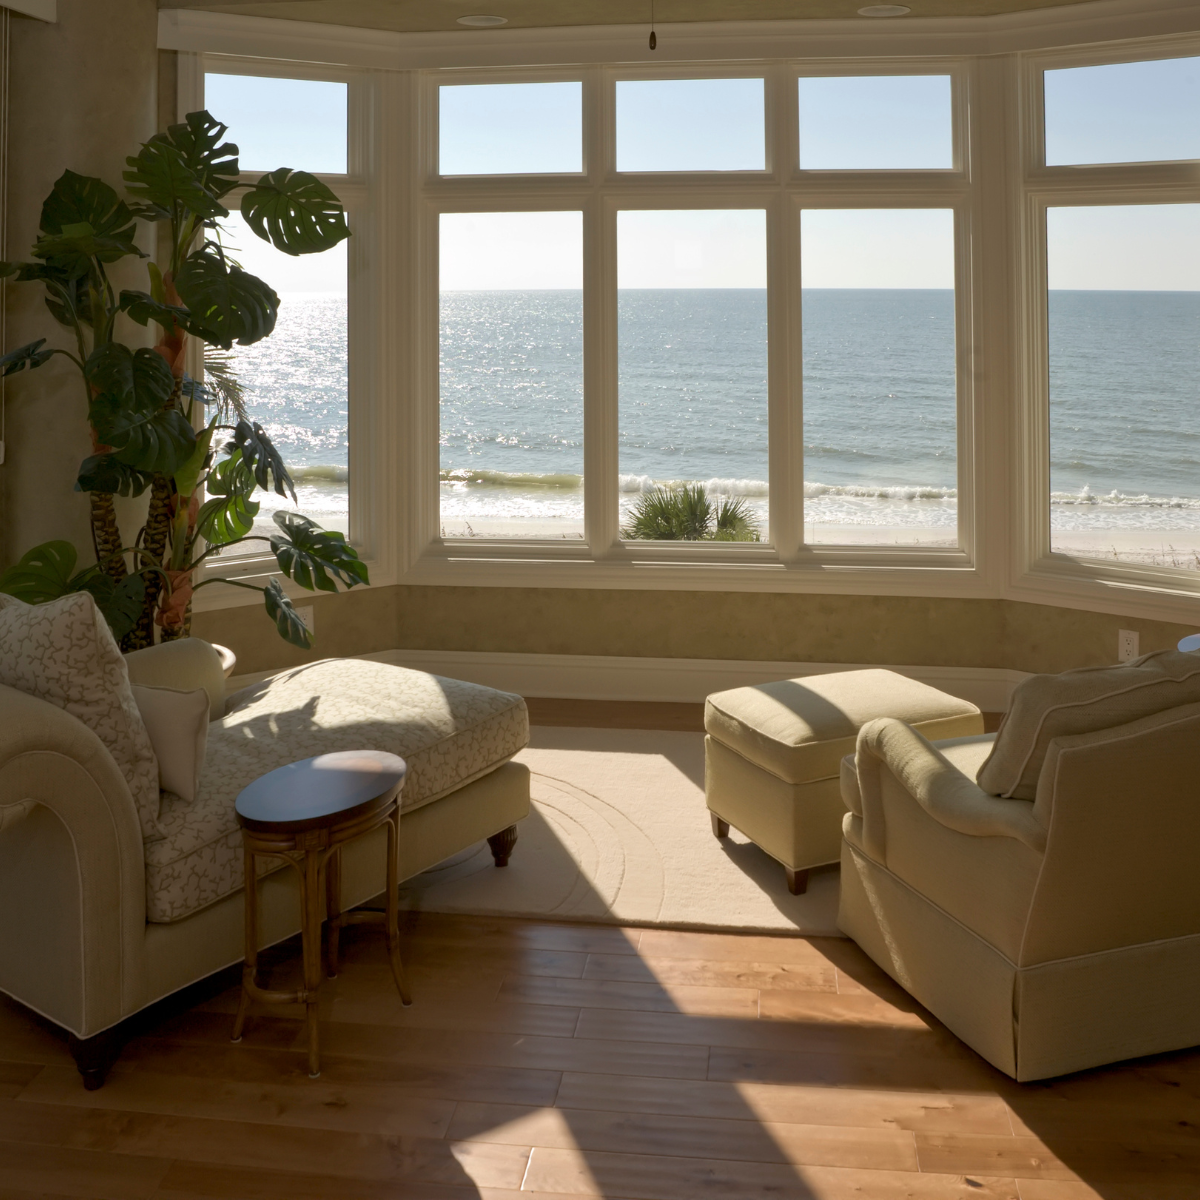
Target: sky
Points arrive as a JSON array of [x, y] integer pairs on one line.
[[1117, 113]]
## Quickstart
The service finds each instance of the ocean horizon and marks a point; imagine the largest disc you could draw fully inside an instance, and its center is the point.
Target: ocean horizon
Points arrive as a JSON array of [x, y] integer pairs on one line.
[[879, 408]]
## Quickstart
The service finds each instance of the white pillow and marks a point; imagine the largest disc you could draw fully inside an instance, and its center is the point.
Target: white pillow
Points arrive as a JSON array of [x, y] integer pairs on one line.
[[64, 652], [177, 723]]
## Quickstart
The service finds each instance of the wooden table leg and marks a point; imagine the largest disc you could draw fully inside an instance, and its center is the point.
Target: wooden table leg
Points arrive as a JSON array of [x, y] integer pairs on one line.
[[393, 908], [333, 908], [250, 967], [311, 937]]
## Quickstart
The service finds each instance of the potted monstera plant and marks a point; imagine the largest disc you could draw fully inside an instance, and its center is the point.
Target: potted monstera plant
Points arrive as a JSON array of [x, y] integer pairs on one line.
[[153, 428]]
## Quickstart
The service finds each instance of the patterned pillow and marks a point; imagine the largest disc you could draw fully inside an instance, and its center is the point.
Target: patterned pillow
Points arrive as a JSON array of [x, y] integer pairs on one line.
[[64, 652]]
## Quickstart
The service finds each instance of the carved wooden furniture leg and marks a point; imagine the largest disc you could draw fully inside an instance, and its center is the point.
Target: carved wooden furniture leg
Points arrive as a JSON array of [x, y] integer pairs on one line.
[[720, 828], [797, 881], [95, 1056], [250, 967], [392, 916], [502, 844], [333, 908], [310, 935]]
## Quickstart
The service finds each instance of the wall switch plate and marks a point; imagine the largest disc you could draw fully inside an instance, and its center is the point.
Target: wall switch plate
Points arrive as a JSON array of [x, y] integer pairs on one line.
[[1127, 645], [306, 614]]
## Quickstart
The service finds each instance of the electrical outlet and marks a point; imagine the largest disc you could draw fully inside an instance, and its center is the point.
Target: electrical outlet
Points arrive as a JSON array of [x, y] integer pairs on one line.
[[305, 613], [1127, 645]]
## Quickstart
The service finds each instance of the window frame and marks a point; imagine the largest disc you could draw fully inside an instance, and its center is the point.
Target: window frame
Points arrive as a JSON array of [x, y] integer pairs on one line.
[[1037, 568], [782, 190], [371, 524], [995, 63]]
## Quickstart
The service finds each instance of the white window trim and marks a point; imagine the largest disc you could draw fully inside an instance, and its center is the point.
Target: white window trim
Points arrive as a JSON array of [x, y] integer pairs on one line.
[[1002, 553], [781, 190], [1039, 570]]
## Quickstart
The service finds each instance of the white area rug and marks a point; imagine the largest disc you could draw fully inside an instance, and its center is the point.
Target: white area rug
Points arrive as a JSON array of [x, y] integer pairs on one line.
[[619, 832]]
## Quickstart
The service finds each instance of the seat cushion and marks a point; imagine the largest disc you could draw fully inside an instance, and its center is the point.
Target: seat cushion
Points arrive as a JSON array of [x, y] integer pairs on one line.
[[799, 729], [1044, 707], [447, 731]]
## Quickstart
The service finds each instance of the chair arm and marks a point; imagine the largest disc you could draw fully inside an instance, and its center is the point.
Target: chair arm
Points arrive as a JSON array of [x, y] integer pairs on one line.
[[185, 664], [72, 872], [936, 785]]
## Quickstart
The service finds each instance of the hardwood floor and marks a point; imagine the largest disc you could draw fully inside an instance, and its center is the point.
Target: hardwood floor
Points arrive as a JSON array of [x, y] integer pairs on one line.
[[546, 1061]]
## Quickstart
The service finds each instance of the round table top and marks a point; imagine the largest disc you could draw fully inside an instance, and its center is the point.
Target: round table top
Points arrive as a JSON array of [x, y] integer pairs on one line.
[[316, 791]]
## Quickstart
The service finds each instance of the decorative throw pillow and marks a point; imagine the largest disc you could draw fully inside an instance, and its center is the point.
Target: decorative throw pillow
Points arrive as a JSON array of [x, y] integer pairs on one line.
[[1048, 706], [177, 723], [63, 652], [183, 664]]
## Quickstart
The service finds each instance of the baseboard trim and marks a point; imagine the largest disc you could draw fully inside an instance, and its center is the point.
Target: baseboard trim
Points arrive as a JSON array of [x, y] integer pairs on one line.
[[596, 677]]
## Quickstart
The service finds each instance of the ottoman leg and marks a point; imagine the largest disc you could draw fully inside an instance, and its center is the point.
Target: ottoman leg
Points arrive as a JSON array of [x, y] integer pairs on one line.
[[720, 828], [797, 881], [502, 844]]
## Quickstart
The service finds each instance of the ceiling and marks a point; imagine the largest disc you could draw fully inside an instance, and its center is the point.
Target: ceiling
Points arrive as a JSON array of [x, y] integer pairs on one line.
[[413, 16]]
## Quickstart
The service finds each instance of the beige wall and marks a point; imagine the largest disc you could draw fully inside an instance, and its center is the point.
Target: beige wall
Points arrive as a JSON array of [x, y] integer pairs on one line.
[[785, 627], [82, 95]]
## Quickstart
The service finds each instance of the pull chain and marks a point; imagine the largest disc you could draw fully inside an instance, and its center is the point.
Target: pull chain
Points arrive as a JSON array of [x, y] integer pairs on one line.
[[653, 35]]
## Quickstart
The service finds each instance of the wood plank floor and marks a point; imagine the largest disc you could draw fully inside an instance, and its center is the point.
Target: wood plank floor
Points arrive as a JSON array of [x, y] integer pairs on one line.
[[544, 1061]]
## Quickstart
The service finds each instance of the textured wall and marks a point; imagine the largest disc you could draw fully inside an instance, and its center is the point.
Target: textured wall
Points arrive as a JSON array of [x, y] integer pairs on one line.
[[82, 95], [792, 628]]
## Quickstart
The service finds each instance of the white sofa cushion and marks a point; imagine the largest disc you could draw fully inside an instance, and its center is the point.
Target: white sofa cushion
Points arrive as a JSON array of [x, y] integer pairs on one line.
[[1044, 707], [64, 652], [447, 731], [177, 723]]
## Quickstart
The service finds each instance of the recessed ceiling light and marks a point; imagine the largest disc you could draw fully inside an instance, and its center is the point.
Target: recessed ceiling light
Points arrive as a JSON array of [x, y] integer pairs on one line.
[[885, 10], [482, 22]]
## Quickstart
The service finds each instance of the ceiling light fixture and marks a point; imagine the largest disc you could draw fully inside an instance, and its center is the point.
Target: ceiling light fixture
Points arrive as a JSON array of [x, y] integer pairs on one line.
[[885, 10], [482, 22]]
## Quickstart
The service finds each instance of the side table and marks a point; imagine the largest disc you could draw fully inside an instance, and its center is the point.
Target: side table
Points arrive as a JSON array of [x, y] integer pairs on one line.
[[304, 813]]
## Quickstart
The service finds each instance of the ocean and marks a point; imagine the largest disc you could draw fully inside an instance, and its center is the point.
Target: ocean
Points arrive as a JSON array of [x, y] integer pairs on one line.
[[879, 411]]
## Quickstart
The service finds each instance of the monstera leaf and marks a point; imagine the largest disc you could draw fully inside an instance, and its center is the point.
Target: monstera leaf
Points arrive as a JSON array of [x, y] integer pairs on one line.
[[143, 308], [315, 557], [170, 179], [295, 212], [229, 513], [260, 455], [106, 473], [160, 441], [287, 620], [84, 218], [31, 356], [48, 571], [139, 378], [44, 573], [212, 161], [226, 303], [119, 603], [129, 410]]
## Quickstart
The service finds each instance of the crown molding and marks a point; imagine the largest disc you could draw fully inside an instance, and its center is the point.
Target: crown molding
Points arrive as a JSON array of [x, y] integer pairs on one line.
[[341, 45], [44, 10]]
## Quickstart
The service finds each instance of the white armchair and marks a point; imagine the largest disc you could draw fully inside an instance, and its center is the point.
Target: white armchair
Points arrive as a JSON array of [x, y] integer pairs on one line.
[[1050, 934]]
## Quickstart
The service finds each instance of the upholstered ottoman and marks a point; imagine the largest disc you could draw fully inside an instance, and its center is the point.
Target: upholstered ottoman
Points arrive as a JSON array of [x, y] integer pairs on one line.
[[772, 755]]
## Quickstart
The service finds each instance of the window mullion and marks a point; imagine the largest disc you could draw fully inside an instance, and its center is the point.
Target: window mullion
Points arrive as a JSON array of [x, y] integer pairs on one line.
[[600, 421], [784, 334]]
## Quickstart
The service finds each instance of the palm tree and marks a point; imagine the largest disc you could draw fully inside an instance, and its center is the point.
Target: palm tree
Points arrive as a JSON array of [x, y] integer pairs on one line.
[[685, 513]]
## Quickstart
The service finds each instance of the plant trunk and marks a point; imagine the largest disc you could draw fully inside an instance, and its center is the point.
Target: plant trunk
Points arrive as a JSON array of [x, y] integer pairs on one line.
[[154, 548], [106, 535]]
